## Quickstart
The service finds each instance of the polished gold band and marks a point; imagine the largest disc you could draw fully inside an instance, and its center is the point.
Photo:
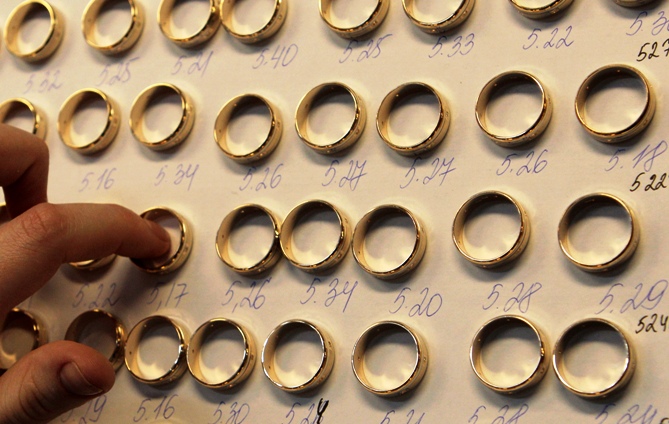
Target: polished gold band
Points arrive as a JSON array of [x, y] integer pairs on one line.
[[396, 96], [16, 20], [200, 337], [69, 109], [175, 261], [360, 234], [607, 73], [94, 264], [76, 330], [633, 3], [269, 29], [481, 337], [223, 239], [541, 12], [580, 205], [483, 198], [203, 34], [132, 350], [233, 108], [140, 105], [579, 328], [458, 17], [501, 81], [39, 120], [39, 334], [298, 213], [372, 22], [320, 93], [89, 21], [360, 348], [269, 351]]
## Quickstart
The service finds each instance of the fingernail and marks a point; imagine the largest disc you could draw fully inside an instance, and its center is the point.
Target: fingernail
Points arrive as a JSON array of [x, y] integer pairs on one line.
[[75, 382]]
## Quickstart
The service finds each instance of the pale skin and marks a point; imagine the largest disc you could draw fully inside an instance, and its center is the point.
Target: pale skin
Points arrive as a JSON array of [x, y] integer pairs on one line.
[[41, 236]]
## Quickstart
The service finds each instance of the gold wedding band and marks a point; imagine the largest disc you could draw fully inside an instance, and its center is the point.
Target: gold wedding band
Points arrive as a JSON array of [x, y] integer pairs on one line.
[[268, 29], [360, 234], [201, 336], [541, 12], [77, 328], [486, 198], [176, 260], [402, 93], [94, 264], [13, 105], [320, 93], [15, 316], [70, 108], [204, 33], [132, 361], [89, 22], [633, 3], [237, 106], [486, 331], [300, 212], [223, 239], [607, 73], [140, 105], [16, 20], [504, 80], [360, 348], [448, 23], [324, 367], [373, 20], [579, 206], [579, 328]]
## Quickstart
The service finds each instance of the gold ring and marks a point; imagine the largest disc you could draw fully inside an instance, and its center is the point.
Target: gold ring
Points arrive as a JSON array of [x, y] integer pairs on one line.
[[579, 206], [633, 3], [135, 337], [600, 76], [541, 12], [70, 108], [303, 210], [89, 21], [456, 18], [14, 317], [320, 93], [140, 105], [504, 80], [94, 264], [76, 330], [476, 201], [236, 107], [324, 367], [201, 336], [16, 20], [360, 348], [402, 93], [39, 120], [578, 328], [481, 338], [176, 260], [203, 34], [374, 20], [360, 234], [223, 239], [269, 29]]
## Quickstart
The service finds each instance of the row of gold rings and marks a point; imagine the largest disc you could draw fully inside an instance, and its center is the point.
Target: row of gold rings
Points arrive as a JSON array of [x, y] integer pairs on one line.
[[576, 208], [282, 240], [561, 346]]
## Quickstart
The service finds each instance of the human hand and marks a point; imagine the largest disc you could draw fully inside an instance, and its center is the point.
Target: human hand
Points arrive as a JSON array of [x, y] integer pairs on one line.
[[62, 375]]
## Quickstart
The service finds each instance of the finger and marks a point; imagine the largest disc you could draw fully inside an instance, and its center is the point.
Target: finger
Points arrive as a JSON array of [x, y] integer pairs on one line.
[[51, 380], [34, 244], [24, 167]]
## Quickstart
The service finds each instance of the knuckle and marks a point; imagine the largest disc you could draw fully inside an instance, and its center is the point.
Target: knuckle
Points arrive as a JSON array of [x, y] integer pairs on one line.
[[44, 225]]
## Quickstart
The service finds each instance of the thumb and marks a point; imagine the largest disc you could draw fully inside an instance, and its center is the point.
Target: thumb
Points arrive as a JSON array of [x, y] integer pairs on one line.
[[51, 380]]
